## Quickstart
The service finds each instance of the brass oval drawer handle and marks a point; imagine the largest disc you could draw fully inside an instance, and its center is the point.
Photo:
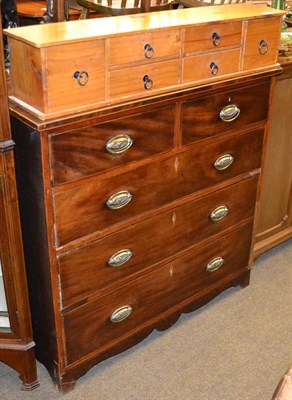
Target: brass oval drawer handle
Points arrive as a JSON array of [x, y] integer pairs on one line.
[[148, 51], [82, 77], [223, 162], [119, 200], [214, 68], [219, 213], [263, 47], [120, 258], [216, 39], [229, 113], [119, 144], [214, 264], [148, 82], [121, 313]]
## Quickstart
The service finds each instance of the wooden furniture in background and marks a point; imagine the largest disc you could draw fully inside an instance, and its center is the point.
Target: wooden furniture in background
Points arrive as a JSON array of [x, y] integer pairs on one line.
[[122, 7], [206, 3], [140, 161], [274, 219], [16, 342], [31, 12]]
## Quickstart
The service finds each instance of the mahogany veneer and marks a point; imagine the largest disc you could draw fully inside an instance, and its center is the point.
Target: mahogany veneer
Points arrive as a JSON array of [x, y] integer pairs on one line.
[[140, 207]]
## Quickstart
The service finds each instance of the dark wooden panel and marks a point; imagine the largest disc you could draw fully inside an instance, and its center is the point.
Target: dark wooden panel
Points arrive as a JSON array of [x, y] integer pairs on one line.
[[34, 228], [152, 294], [82, 210], [84, 271], [200, 118], [83, 152]]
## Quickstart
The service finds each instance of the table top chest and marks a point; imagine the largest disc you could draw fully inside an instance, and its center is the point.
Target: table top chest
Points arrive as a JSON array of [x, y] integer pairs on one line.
[[81, 65]]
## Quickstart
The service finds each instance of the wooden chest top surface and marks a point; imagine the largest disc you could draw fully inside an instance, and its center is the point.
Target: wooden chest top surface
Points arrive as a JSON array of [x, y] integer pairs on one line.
[[77, 31]]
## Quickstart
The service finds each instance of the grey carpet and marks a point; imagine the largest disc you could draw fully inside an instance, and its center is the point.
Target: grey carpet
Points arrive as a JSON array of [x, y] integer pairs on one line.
[[235, 348]]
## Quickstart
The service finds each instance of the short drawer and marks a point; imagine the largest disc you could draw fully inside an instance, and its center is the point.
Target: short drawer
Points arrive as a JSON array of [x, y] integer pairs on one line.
[[211, 65], [83, 210], [127, 310], [144, 47], [89, 150], [61, 82], [212, 115], [125, 254], [212, 37], [143, 80], [262, 43]]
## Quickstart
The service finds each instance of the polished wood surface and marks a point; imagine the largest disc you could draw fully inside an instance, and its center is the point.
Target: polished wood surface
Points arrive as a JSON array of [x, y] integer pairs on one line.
[[82, 152], [193, 191], [16, 342], [274, 220], [77, 31], [162, 290], [202, 112], [131, 50], [31, 9], [159, 59], [58, 268], [197, 39], [81, 210], [169, 240]]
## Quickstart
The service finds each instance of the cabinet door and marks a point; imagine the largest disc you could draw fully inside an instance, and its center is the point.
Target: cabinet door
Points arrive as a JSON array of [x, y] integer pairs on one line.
[[274, 219]]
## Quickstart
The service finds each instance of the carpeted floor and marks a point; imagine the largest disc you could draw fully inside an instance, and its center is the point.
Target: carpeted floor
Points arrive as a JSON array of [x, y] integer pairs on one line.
[[235, 348]]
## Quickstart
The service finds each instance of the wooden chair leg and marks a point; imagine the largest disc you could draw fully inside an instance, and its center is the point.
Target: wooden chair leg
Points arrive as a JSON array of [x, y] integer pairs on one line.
[[84, 13]]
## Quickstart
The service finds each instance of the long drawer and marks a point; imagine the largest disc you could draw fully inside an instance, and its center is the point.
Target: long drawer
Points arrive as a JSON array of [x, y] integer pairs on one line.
[[241, 107], [89, 150], [101, 322], [101, 203], [124, 254]]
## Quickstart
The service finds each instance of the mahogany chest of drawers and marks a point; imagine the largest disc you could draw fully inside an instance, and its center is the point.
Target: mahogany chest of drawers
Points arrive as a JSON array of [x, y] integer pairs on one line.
[[138, 195]]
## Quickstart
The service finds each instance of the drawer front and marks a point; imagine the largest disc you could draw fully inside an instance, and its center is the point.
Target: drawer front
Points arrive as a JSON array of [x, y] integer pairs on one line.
[[143, 80], [75, 81], [152, 294], [262, 43], [201, 117], [83, 210], [93, 267], [90, 150], [211, 65], [213, 37], [144, 47]]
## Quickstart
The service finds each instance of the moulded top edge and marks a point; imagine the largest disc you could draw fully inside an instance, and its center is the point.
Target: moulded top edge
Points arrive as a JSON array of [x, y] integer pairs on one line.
[[47, 35]]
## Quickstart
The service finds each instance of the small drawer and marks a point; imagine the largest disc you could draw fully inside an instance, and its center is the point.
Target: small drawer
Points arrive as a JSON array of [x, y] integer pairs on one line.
[[201, 39], [99, 204], [211, 65], [59, 78], [262, 43], [216, 114], [143, 80], [75, 81], [125, 254], [127, 310], [144, 47], [93, 149]]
